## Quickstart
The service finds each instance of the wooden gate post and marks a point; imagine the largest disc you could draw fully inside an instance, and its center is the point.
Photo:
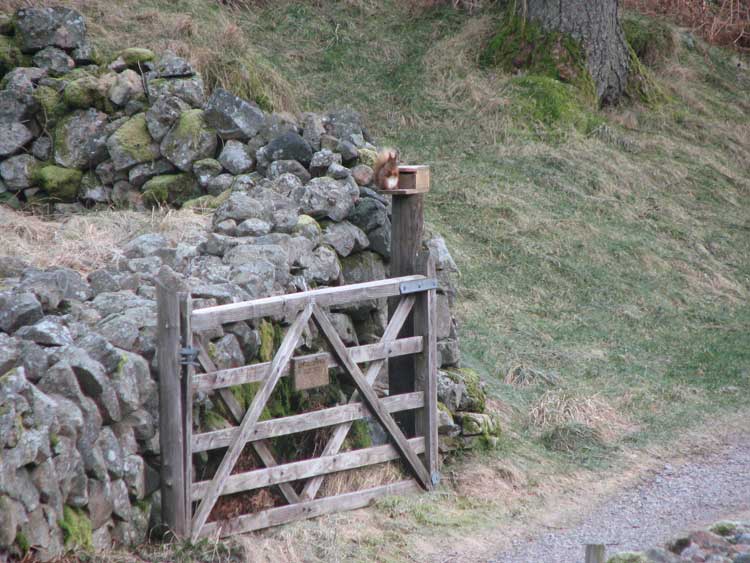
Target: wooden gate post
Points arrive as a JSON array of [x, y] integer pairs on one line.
[[171, 445], [407, 227]]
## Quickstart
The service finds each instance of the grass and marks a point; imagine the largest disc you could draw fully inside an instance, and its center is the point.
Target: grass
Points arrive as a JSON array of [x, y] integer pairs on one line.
[[611, 255]]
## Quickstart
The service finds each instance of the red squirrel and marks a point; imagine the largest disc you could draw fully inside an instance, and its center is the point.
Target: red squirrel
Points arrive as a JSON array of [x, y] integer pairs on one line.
[[386, 169]]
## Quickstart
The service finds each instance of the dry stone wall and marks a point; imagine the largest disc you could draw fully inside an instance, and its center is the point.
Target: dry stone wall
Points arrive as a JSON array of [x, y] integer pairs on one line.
[[293, 209]]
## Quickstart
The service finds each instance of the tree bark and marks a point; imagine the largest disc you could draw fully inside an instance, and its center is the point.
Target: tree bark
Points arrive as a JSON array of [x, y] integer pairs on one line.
[[596, 24]]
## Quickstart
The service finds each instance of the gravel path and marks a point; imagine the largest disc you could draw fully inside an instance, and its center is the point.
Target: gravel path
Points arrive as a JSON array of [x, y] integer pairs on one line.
[[650, 513]]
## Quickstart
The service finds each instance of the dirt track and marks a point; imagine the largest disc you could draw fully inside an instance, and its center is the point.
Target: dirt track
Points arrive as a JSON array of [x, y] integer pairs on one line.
[[664, 503]]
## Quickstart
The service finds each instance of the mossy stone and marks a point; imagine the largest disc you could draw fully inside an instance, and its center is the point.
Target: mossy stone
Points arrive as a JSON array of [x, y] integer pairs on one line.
[[83, 93], [61, 184], [76, 528], [174, 189], [51, 102], [628, 557], [134, 55], [132, 144], [724, 528], [368, 157]]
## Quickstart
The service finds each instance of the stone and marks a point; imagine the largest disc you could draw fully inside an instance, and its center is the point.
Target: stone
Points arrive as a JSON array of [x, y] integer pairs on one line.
[[17, 105], [190, 139], [18, 171], [226, 352], [338, 171], [240, 206], [47, 332], [348, 152], [233, 117], [100, 504], [476, 424], [162, 114], [309, 228], [205, 169], [321, 267], [132, 144], [253, 228], [344, 328], [439, 251], [69, 417], [380, 240], [345, 238], [189, 90], [219, 184], [13, 137], [8, 521], [362, 174], [126, 87], [312, 129], [60, 184], [56, 285], [45, 480], [448, 353], [70, 473], [236, 157], [112, 452], [41, 148], [134, 475], [170, 65], [9, 351], [322, 160], [362, 267], [174, 189], [345, 124], [325, 197], [281, 167], [38, 28], [369, 214], [84, 54], [83, 93], [145, 245], [141, 173], [56, 62], [289, 146], [367, 157]]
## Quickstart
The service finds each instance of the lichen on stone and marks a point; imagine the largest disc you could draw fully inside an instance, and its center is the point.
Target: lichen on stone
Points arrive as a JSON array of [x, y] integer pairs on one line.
[[135, 55], [61, 184], [174, 189]]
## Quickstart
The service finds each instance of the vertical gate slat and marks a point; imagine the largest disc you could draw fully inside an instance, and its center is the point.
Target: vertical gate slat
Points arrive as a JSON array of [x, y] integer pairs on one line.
[[171, 433], [186, 310], [425, 319]]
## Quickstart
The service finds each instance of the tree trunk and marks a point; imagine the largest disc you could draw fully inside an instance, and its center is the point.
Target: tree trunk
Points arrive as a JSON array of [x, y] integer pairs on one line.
[[596, 24]]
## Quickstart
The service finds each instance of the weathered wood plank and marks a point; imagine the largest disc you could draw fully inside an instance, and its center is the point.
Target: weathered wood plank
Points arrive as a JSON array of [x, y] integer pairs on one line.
[[291, 303], [339, 434], [306, 468], [305, 421], [186, 309], [283, 355], [370, 397], [426, 367], [262, 448], [171, 444], [310, 509], [217, 379], [406, 240]]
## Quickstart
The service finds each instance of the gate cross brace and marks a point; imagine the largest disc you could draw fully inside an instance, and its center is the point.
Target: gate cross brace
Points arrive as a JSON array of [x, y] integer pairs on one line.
[[371, 398], [336, 441]]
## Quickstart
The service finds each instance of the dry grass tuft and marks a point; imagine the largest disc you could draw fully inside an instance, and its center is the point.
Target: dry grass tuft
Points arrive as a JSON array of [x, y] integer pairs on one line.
[[558, 408], [362, 478], [90, 241]]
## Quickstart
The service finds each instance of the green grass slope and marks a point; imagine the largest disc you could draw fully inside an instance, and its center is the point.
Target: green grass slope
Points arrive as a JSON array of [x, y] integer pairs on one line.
[[608, 247]]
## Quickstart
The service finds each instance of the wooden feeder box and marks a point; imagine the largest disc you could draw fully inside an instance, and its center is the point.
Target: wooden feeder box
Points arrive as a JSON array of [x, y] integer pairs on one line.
[[310, 372], [412, 179]]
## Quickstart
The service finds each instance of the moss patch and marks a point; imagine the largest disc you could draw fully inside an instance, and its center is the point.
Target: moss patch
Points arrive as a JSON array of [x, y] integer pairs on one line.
[[266, 331], [76, 528], [520, 45], [551, 103], [175, 189], [135, 55], [22, 543], [51, 102], [61, 184], [651, 39], [359, 436], [10, 55]]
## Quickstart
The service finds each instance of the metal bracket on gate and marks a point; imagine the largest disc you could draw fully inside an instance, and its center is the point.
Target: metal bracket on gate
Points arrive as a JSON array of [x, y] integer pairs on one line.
[[417, 286], [189, 356]]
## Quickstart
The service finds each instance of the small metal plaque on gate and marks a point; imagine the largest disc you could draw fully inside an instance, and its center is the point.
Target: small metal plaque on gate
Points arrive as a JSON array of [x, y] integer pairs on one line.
[[309, 372]]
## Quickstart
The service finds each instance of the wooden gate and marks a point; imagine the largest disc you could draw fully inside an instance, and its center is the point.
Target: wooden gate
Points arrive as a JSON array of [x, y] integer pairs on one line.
[[187, 505]]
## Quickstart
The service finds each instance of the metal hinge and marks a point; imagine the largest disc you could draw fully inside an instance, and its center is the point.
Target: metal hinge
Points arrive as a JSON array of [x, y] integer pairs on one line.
[[189, 356], [418, 286]]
